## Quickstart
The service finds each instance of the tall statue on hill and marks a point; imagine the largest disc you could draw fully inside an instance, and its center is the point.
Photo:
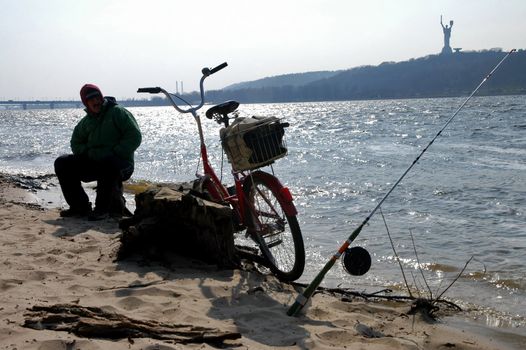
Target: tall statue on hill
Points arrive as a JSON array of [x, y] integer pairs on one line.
[[447, 35]]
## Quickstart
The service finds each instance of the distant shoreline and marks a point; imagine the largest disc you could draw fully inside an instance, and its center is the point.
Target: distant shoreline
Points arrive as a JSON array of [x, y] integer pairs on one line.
[[432, 76], [6, 105]]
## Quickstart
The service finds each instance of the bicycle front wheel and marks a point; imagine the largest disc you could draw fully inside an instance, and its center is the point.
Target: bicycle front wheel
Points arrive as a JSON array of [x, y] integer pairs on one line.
[[277, 234]]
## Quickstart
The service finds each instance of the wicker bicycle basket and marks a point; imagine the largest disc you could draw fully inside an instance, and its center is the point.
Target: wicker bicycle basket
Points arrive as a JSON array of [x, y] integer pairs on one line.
[[254, 142]]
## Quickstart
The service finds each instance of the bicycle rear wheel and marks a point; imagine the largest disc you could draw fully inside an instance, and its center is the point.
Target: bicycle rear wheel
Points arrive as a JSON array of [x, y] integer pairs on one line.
[[277, 234]]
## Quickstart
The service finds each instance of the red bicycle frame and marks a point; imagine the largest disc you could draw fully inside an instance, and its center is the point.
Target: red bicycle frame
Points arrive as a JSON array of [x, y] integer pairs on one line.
[[220, 193], [216, 189]]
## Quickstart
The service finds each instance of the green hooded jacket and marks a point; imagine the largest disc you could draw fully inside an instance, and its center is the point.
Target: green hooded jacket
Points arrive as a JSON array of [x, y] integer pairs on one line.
[[113, 132]]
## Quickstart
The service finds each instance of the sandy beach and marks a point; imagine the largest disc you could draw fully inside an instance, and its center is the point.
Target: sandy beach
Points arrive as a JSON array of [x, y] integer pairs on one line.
[[51, 263]]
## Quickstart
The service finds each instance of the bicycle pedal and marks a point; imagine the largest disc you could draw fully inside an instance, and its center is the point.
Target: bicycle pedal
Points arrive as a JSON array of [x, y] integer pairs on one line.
[[274, 243]]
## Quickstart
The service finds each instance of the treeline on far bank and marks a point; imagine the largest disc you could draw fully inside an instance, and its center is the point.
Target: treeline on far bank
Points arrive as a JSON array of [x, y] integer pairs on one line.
[[451, 75], [456, 74]]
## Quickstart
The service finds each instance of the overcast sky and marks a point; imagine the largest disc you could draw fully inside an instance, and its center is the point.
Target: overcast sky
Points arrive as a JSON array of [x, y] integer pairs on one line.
[[50, 48]]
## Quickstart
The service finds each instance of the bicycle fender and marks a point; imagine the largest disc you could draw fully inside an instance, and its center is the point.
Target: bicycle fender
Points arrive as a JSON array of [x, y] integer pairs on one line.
[[281, 191]]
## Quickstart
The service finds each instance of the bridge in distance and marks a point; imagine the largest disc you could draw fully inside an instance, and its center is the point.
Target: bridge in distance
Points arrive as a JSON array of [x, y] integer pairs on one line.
[[12, 104]]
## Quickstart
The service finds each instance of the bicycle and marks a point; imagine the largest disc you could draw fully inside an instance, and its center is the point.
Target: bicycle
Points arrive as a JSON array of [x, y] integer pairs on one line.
[[261, 205]]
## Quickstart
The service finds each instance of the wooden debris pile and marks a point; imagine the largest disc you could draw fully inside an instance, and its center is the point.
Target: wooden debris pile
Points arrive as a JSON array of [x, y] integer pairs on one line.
[[178, 219]]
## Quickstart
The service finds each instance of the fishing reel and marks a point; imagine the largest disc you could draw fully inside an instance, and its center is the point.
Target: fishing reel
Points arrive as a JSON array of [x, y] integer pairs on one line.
[[356, 261]]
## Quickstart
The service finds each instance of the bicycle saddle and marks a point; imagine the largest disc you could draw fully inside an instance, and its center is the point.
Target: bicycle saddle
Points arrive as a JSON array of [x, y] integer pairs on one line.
[[222, 109]]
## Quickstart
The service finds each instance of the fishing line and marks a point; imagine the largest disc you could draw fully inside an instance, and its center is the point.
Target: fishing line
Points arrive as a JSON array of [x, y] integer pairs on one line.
[[302, 298]]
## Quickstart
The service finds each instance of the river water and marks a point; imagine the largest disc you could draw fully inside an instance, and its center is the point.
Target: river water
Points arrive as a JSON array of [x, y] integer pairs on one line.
[[465, 198]]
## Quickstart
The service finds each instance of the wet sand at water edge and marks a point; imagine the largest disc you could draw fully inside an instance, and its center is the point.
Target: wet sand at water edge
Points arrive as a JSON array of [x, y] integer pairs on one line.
[[69, 263]]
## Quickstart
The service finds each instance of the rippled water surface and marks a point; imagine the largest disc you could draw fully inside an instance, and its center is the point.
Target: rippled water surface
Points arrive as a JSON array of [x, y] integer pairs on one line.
[[465, 198]]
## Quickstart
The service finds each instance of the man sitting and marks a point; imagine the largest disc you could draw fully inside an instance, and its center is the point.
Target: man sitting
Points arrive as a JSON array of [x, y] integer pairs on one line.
[[103, 145]]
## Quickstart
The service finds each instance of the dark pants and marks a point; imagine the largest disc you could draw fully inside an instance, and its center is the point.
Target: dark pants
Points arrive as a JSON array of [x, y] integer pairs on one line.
[[109, 173]]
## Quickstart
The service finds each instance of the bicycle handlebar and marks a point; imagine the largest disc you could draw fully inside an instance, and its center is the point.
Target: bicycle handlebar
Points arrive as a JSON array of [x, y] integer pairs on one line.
[[209, 71], [218, 68], [151, 90], [206, 72]]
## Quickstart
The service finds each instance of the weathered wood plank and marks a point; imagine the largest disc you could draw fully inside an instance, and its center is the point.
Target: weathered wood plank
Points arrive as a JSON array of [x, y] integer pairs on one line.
[[94, 322]]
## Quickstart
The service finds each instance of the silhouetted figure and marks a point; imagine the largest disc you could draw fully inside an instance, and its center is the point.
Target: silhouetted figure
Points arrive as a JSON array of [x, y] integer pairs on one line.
[[103, 145], [447, 35]]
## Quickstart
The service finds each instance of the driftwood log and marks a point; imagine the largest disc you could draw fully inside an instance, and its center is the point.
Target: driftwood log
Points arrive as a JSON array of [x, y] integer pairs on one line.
[[178, 219], [94, 322]]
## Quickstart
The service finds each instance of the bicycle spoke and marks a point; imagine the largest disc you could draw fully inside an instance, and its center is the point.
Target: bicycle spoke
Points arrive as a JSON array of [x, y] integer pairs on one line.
[[279, 241]]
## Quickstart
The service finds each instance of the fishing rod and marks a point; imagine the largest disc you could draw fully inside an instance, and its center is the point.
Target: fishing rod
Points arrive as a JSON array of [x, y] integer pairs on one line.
[[302, 298]]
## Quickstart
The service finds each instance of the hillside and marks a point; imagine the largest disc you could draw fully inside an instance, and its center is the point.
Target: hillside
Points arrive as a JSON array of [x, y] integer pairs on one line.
[[295, 79], [431, 76]]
